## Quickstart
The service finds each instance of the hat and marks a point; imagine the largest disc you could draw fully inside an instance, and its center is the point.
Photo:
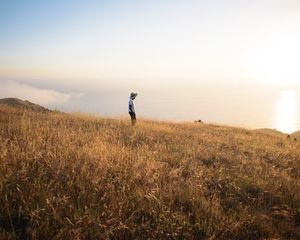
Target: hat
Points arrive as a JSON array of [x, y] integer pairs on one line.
[[133, 95]]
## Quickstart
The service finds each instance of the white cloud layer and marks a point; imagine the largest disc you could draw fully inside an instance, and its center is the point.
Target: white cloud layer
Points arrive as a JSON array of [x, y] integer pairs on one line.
[[47, 97]]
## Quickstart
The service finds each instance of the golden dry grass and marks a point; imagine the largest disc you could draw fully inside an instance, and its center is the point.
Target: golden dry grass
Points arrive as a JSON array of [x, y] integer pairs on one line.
[[68, 176]]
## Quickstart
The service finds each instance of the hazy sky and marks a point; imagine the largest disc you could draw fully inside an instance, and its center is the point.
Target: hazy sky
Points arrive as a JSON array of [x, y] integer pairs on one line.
[[88, 55]]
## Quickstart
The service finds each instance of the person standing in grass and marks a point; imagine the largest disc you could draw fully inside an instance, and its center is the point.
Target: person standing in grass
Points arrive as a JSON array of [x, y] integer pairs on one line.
[[131, 108]]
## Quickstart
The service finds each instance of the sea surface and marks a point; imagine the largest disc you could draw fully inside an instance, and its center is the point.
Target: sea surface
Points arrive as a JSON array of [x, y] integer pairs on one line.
[[249, 107]]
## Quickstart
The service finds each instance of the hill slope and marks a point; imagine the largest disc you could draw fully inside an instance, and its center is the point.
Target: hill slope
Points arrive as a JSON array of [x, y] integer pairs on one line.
[[76, 177], [270, 131], [296, 135], [18, 103]]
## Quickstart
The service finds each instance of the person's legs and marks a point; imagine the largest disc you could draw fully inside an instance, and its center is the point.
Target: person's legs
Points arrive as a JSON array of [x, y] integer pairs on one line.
[[133, 118]]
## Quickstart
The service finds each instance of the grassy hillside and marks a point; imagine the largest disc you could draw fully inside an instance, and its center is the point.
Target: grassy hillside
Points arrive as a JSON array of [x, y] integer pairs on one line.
[[18, 103], [270, 132], [76, 177], [296, 135]]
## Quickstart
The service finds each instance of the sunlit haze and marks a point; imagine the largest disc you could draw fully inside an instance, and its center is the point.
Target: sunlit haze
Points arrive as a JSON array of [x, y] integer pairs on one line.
[[225, 62]]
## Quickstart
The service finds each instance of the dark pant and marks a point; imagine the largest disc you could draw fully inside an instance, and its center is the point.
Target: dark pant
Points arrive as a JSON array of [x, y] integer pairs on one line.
[[133, 117]]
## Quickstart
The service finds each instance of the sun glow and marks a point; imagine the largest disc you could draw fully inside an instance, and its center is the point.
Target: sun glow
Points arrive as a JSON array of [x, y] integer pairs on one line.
[[274, 59], [286, 112]]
